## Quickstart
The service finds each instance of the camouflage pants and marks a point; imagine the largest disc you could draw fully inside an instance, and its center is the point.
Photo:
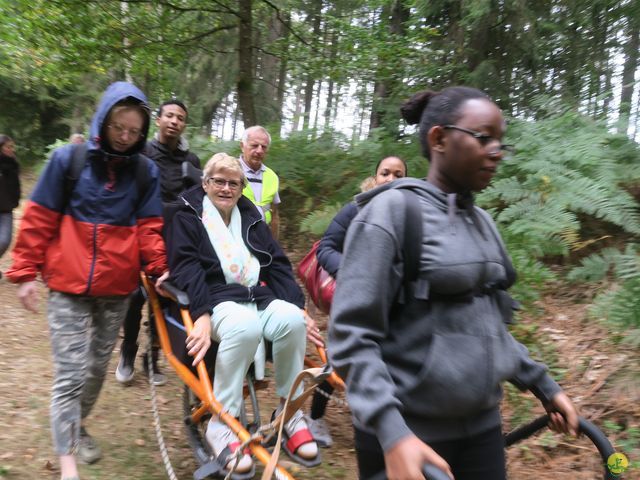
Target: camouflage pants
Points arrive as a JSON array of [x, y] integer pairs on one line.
[[83, 333]]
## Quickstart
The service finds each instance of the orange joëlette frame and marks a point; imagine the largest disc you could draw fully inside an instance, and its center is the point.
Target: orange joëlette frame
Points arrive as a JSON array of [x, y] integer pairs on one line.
[[333, 378], [201, 385]]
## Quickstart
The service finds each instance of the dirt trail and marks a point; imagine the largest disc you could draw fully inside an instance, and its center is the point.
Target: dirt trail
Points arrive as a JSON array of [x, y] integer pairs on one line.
[[601, 376]]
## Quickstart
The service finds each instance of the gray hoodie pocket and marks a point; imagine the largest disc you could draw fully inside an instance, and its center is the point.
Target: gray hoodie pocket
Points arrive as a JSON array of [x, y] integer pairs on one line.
[[457, 378]]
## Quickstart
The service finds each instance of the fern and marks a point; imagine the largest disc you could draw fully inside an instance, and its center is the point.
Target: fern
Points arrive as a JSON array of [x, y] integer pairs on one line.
[[568, 169], [595, 267], [619, 302], [317, 222], [620, 306]]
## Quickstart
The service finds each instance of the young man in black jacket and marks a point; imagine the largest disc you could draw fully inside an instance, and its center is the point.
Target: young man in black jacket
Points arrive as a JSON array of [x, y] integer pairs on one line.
[[168, 150]]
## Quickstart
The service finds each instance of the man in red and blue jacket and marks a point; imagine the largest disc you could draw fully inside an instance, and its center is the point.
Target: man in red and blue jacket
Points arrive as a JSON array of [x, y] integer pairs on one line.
[[88, 243]]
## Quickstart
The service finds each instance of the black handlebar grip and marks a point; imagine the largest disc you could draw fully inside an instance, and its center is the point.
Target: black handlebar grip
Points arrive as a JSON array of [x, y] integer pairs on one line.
[[592, 432], [431, 472]]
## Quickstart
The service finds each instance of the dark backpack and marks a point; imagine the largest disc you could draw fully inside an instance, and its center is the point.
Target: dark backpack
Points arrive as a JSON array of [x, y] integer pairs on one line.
[[412, 241], [411, 249], [78, 161]]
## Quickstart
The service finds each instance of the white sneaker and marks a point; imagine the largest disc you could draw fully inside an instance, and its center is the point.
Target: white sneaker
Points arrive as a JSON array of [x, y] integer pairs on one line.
[[219, 436], [297, 423], [320, 431], [125, 369]]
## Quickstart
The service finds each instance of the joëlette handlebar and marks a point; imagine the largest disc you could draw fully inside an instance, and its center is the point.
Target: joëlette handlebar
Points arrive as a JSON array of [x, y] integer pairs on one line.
[[594, 434], [430, 472]]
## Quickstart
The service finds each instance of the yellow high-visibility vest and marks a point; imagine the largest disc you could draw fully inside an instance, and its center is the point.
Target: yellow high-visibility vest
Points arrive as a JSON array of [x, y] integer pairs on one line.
[[270, 184]]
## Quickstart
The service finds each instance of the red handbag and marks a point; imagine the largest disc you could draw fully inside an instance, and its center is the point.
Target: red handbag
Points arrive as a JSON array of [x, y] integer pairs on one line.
[[316, 280]]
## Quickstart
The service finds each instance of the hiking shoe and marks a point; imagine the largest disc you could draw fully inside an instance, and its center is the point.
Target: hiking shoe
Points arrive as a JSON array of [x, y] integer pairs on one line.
[[223, 441], [320, 431], [125, 369], [300, 441], [88, 450], [158, 378]]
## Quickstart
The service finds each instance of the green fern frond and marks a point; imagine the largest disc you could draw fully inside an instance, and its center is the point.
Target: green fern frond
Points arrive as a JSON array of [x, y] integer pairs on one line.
[[595, 267], [620, 305], [317, 222]]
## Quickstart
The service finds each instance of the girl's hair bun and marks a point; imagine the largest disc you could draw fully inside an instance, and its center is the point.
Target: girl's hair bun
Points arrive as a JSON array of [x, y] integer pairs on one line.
[[412, 109]]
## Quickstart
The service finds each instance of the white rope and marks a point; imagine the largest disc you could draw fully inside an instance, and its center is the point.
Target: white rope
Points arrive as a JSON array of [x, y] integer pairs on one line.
[[331, 396], [164, 453]]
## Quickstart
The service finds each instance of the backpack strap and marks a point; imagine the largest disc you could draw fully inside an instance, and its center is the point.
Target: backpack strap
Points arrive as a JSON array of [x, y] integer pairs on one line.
[[143, 178], [78, 161], [412, 241]]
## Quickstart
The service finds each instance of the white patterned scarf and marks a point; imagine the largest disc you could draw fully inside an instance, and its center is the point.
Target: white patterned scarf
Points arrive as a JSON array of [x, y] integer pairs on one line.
[[237, 262]]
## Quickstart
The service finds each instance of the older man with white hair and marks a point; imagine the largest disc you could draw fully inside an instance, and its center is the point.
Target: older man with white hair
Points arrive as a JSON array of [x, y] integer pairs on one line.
[[262, 182]]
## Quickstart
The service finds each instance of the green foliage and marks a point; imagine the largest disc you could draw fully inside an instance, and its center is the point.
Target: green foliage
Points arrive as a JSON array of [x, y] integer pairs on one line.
[[619, 305], [522, 406], [533, 275], [627, 439], [317, 222], [567, 168], [619, 301], [540, 348]]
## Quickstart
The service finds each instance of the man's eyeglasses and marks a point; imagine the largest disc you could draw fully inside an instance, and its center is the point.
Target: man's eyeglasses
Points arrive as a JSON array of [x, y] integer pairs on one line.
[[484, 139], [221, 183], [119, 130]]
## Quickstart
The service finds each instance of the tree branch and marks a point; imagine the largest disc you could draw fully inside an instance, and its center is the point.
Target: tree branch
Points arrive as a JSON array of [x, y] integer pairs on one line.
[[286, 24]]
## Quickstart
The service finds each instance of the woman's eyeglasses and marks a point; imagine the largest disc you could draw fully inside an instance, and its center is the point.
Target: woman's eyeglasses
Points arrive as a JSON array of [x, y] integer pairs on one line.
[[484, 139], [221, 183], [119, 130]]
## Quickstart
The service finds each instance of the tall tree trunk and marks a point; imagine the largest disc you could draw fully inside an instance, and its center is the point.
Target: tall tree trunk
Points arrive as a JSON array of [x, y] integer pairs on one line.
[[234, 126], [267, 95], [208, 113], [629, 71], [124, 10], [317, 110], [384, 86], [223, 123], [336, 103], [245, 64], [597, 85], [297, 109], [282, 75], [315, 20]]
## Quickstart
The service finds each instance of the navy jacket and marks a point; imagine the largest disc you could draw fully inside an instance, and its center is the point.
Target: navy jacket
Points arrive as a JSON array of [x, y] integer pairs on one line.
[[96, 241], [195, 267], [331, 245]]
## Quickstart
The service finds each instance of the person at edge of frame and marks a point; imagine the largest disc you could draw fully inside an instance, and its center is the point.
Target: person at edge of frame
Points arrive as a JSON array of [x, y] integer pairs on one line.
[[89, 245], [424, 360]]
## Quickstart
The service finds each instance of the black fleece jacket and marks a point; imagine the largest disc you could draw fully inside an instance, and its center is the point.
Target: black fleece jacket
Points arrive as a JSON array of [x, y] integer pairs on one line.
[[195, 267], [170, 164]]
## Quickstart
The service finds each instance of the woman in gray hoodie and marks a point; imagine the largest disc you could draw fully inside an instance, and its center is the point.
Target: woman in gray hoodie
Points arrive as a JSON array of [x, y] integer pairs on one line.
[[424, 358]]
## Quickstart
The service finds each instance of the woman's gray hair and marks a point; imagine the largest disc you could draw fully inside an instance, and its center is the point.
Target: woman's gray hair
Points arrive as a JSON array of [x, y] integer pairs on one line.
[[223, 161]]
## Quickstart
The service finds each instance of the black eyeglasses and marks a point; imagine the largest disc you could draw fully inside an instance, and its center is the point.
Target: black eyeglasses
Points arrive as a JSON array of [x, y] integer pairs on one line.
[[484, 139], [221, 183]]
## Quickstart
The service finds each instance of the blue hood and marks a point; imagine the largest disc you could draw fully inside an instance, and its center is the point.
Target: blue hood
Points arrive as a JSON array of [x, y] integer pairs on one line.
[[115, 93]]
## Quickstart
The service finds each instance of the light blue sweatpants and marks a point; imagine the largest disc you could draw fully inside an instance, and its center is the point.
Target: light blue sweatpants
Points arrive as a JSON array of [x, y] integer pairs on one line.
[[238, 328]]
